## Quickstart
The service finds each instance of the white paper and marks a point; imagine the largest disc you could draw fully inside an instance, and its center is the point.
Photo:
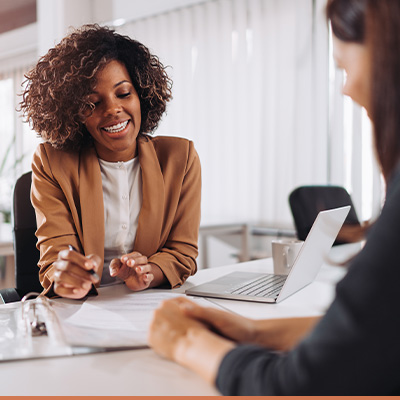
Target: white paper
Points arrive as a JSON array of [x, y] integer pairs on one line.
[[115, 318]]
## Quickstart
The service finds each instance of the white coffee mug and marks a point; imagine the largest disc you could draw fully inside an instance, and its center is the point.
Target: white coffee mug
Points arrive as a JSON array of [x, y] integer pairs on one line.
[[284, 253]]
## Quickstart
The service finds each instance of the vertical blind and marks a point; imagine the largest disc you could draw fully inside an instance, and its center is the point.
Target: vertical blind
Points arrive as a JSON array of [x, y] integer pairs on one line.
[[246, 92], [255, 88]]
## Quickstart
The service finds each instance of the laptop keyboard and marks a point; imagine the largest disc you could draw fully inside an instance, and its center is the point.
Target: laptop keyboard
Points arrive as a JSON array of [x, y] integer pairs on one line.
[[265, 286]]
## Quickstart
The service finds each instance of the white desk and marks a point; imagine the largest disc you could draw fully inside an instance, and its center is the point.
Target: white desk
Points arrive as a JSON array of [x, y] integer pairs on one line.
[[142, 372]]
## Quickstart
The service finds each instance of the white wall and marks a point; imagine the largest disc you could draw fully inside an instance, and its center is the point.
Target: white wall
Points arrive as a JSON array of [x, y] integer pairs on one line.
[[18, 46], [135, 9]]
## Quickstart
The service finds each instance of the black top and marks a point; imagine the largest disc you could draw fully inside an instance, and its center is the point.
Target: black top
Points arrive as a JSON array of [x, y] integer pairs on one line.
[[355, 348]]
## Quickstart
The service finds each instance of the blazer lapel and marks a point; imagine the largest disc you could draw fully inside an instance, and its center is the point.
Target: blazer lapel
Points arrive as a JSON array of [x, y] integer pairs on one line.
[[151, 214], [92, 207]]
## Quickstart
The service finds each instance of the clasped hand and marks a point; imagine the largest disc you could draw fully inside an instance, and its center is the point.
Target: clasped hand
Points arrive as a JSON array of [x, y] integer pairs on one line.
[[189, 334], [176, 317], [134, 269], [185, 333]]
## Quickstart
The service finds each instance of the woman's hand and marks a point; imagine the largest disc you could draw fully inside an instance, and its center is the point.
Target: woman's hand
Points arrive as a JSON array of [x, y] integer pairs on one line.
[[170, 326], [137, 273], [279, 334], [187, 341], [72, 278], [232, 326]]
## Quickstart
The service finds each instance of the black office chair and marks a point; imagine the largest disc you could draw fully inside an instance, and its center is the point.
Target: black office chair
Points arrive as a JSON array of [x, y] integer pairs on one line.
[[26, 253], [307, 201]]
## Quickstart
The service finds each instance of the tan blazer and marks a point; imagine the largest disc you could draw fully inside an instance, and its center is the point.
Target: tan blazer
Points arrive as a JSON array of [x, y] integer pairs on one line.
[[67, 195]]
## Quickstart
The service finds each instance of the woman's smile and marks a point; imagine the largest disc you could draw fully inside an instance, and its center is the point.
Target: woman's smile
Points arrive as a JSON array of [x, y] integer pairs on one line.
[[117, 130], [116, 127]]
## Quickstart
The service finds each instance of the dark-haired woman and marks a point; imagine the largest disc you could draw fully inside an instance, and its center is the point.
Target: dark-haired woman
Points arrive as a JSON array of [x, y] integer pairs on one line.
[[354, 349], [128, 203]]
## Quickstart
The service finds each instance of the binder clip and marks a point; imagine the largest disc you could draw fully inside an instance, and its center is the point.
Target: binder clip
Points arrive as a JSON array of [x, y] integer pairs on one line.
[[31, 315]]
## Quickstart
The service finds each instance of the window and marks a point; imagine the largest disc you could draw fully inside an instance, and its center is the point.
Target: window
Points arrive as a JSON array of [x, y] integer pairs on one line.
[[18, 140]]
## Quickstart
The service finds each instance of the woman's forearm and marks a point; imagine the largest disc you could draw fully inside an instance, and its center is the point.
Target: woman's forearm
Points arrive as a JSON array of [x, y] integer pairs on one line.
[[282, 334], [277, 334]]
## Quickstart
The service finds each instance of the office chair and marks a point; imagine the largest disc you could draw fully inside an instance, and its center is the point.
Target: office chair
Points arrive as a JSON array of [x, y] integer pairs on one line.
[[307, 201], [26, 253]]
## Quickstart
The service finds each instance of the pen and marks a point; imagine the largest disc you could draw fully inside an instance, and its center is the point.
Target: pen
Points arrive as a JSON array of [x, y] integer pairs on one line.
[[91, 271]]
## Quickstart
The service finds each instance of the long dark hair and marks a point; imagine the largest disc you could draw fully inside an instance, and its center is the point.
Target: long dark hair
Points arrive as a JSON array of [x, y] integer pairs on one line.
[[376, 23]]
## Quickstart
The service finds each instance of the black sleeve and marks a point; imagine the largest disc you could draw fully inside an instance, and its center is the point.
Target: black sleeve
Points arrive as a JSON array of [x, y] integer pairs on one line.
[[355, 348]]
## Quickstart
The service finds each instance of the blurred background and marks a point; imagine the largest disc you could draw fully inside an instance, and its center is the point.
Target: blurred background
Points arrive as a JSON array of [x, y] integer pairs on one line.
[[255, 88]]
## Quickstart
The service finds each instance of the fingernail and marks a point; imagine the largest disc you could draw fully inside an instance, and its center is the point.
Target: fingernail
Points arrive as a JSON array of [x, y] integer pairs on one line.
[[131, 263], [87, 285], [89, 264], [139, 269], [124, 259]]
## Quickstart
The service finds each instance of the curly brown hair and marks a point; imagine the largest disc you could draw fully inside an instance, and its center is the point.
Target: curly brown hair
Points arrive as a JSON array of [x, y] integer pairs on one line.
[[56, 97]]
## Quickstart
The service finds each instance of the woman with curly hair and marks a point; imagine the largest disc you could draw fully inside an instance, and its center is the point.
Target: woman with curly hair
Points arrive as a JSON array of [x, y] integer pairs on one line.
[[109, 197], [354, 349]]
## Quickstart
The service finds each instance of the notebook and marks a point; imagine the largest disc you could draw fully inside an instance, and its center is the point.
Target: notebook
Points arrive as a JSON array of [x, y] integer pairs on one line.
[[271, 288]]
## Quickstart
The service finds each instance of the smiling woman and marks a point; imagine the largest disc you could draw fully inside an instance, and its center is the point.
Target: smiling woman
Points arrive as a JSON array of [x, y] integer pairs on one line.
[[128, 201]]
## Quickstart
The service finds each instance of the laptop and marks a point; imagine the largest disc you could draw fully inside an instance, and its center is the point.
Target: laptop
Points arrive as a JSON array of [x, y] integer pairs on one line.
[[272, 288]]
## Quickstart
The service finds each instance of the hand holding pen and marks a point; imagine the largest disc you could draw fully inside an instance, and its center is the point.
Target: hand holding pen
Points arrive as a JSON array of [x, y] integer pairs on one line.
[[91, 271], [75, 273]]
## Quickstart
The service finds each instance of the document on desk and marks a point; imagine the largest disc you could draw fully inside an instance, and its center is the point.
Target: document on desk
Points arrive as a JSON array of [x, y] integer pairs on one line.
[[116, 319], [110, 320]]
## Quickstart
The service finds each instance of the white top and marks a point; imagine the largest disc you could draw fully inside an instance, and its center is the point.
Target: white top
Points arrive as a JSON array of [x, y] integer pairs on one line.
[[122, 193]]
